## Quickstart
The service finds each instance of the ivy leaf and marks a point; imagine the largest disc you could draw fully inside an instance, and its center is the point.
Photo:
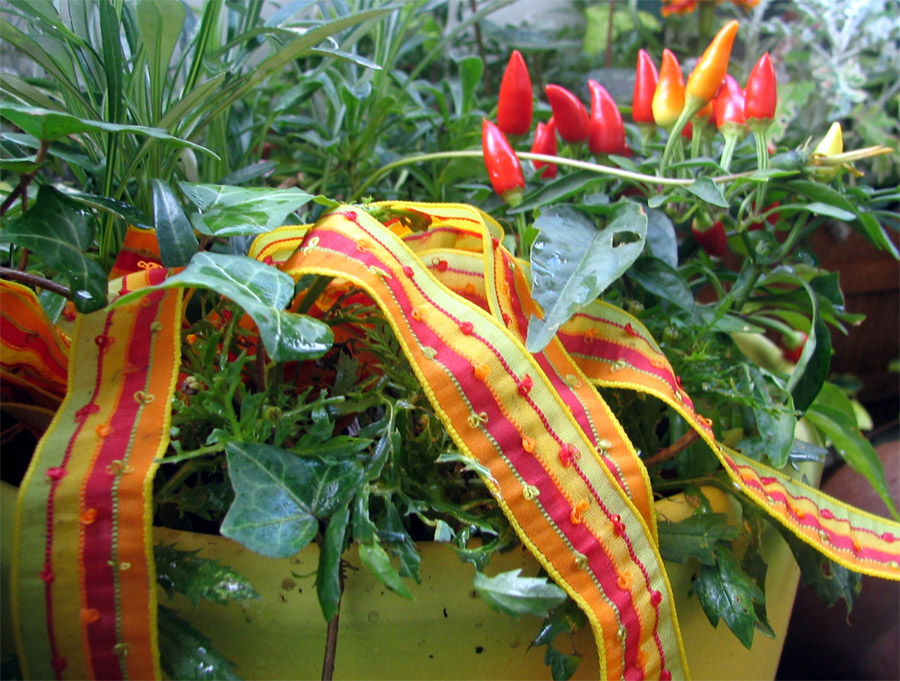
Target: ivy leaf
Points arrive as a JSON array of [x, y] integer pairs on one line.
[[510, 593], [279, 496], [830, 581], [120, 209], [195, 577], [263, 292], [230, 211], [725, 591], [187, 654], [398, 542], [832, 413], [328, 574], [695, 537], [61, 235], [562, 666], [565, 618], [378, 562], [572, 262]]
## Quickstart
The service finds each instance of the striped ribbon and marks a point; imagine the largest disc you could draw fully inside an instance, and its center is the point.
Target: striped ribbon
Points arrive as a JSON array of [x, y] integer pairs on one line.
[[560, 465]]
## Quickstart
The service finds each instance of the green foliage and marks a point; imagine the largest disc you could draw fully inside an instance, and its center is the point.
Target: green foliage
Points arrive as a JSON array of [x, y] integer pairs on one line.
[[695, 537], [516, 595], [185, 653], [196, 577], [565, 618]]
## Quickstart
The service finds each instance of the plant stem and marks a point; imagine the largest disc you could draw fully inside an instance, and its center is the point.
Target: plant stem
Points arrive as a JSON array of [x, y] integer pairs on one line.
[[34, 280], [22, 188], [672, 450], [332, 635]]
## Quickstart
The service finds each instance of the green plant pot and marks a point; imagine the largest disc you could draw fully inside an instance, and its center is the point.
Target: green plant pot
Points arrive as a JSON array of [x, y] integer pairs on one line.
[[446, 631]]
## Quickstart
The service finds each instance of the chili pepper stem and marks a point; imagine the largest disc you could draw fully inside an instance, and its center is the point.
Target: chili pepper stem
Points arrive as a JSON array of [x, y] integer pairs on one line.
[[692, 105], [522, 228], [728, 151], [647, 131], [760, 128]]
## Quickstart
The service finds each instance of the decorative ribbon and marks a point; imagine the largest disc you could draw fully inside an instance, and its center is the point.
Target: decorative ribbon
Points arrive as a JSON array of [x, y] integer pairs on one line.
[[560, 465]]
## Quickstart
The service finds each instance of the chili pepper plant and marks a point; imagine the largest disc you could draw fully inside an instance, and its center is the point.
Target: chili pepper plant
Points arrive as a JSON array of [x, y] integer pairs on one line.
[[149, 124]]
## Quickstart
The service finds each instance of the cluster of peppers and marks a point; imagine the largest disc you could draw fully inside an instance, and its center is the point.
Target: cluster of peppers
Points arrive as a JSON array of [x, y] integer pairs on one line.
[[711, 100]]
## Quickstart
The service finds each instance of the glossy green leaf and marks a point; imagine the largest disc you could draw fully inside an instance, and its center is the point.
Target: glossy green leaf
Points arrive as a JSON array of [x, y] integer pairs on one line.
[[378, 562], [813, 367], [249, 172], [113, 62], [187, 654], [828, 210], [660, 279], [45, 124], [196, 577], [875, 233], [558, 190], [725, 591], [776, 434], [510, 593], [573, 262], [695, 537], [661, 238], [177, 243], [328, 573], [104, 204], [562, 666], [60, 235], [398, 542], [709, 191], [279, 497], [832, 413], [263, 292], [229, 211]]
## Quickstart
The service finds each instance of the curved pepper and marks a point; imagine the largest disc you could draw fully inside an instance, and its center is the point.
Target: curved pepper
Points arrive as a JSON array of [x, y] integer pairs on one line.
[[830, 145], [502, 164], [607, 131], [571, 117], [668, 99], [545, 143], [760, 96], [706, 78], [515, 103], [646, 77]]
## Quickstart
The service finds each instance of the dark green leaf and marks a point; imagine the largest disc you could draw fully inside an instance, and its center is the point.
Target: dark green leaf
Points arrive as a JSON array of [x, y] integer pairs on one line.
[[567, 185], [279, 496], [695, 537], [187, 654], [831, 581], [113, 62], [177, 243], [565, 618], [120, 209], [45, 124], [510, 593], [821, 193], [660, 279], [572, 262], [378, 562], [229, 211], [832, 413], [815, 361], [328, 574], [61, 235], [262, 292], [776, 434], [249, 172], [875, 233], [195, 577], [470, 70], [398, 542], [709, 191], [661, 237], [725, 591], [562, 666]]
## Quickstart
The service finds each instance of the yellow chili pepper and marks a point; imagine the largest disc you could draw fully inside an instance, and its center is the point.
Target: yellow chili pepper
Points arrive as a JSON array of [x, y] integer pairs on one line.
[[831, 145], [668, 99], [705, 79]]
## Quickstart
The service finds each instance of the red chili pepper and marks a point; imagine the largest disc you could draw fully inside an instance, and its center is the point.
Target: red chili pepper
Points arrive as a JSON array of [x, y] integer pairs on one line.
[[761, 96], [668, 99], [712, 238], [545, 143], [572, 120], [502, 163], [646, 77], [772, 219], [607, 131], [514, 105], [730, 103]]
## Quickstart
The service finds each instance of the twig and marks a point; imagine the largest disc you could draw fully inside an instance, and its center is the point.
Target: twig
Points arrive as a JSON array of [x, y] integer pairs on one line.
[[26, 178], [331, 636], [672, 450], [34, 280]]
